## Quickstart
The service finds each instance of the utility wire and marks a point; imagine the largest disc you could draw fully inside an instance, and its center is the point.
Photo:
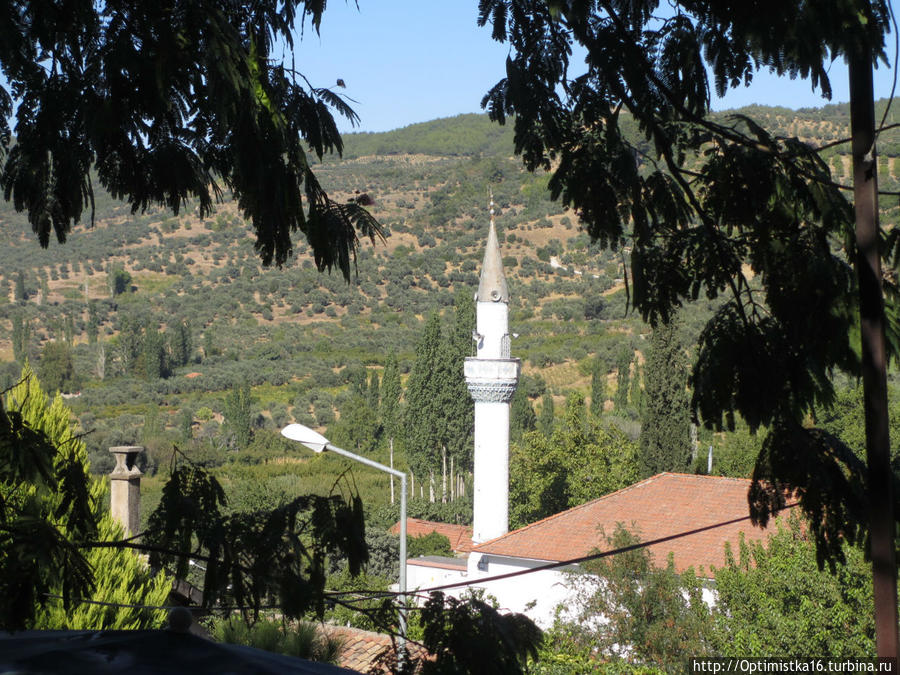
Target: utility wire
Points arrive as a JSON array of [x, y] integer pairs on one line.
[[369, 595]]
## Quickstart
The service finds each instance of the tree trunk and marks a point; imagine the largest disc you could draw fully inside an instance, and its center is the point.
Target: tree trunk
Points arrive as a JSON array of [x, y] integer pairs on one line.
[[443, 474], [452, 478], [431, 486], [871, 308]]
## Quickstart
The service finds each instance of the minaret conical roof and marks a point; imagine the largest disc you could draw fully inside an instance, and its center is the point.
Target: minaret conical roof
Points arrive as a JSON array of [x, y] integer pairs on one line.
[[492, 284]]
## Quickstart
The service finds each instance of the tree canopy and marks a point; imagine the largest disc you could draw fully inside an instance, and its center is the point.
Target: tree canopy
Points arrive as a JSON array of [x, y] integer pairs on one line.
[[51, 510], [721, 208], [171, 104]]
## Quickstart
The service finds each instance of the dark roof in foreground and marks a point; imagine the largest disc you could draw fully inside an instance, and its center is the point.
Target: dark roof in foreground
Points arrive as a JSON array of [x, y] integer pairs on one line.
[[149, 652]]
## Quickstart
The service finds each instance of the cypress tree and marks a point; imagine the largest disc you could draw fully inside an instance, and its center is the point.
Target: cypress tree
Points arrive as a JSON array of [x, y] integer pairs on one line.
[[635, 391], [424, 419], [21, 335], [623, 378], [69, 330], [20, 294], [238, 416], [186, 423], [180, 342], [521, 415], [665, 429], [153, 354], [458, 407], [56, 367], [545, 419], [598, 387], [130, 342], [391, 390], [93, 324], [357, 426], [373, 395]]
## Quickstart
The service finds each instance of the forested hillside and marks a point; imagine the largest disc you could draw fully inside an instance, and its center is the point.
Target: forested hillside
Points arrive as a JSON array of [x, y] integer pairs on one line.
[[166, 330]]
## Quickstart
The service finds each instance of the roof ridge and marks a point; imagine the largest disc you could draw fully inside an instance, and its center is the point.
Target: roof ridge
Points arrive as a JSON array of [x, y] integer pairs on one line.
[[701, 475]]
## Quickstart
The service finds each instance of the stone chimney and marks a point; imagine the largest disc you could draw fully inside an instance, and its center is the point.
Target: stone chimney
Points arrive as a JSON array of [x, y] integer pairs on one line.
[[125, 488]]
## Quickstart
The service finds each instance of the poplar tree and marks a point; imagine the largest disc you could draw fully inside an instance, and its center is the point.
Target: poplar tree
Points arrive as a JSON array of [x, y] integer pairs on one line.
[[373, 395], [665, 443]]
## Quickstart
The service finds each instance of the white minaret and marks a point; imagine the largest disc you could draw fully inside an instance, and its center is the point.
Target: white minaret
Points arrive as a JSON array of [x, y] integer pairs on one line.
[[492, 377]]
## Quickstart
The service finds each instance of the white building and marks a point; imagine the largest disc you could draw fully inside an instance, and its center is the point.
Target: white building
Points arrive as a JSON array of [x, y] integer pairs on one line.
[[694, 515]]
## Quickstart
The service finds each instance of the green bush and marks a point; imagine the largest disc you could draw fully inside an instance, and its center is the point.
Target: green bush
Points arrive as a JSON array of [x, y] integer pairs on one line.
[[303, 640]]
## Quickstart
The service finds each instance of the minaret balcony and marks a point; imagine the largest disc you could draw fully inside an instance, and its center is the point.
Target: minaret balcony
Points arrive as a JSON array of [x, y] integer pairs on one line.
[[492, 380]]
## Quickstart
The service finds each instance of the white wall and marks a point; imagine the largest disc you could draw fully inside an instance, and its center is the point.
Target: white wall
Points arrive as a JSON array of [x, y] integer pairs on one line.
[[537, 595]]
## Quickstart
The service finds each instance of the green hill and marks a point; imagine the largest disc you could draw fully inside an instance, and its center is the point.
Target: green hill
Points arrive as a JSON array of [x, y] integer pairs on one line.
[[294, 334]]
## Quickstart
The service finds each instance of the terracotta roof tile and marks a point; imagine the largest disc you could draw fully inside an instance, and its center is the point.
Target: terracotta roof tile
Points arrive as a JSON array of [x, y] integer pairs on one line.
[[660, 506], [362, 647], [460, 536]]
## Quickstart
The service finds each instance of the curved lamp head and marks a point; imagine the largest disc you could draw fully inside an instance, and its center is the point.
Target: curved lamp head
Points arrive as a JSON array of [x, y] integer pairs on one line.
[[303, 434]]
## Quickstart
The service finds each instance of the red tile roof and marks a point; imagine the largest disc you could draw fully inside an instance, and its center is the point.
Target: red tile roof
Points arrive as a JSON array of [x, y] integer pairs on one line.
[[361, 648], [660, 506], [460, 536]]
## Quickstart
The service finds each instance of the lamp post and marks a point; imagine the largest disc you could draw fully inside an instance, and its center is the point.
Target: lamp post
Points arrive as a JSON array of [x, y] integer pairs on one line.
[[318, 443]]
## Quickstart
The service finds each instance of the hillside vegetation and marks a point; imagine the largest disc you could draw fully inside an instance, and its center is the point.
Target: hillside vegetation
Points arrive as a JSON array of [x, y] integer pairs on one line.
[[154, 323]]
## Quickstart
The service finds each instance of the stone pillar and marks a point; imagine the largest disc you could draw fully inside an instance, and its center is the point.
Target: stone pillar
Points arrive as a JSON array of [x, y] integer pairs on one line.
[[125, 488]]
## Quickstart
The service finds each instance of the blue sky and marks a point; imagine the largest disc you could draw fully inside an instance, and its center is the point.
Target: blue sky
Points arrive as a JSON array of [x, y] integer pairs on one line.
[[408, 61]]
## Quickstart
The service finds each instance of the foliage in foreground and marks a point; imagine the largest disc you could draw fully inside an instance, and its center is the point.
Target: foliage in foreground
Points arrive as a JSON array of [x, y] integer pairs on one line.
[[715, 207], [772, 599], [304, 640], [252, 557], [467, 636], [49, 513], [222, 112]]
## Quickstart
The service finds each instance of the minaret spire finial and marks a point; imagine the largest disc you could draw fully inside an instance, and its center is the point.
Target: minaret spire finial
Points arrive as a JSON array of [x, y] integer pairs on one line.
[[492, 284]]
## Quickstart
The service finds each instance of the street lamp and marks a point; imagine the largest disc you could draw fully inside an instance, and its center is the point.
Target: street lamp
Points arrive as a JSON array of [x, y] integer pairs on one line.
[[318, 443]]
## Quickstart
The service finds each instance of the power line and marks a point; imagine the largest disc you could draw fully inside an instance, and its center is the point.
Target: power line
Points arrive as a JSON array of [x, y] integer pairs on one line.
[[594, 556], [373, 594]]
